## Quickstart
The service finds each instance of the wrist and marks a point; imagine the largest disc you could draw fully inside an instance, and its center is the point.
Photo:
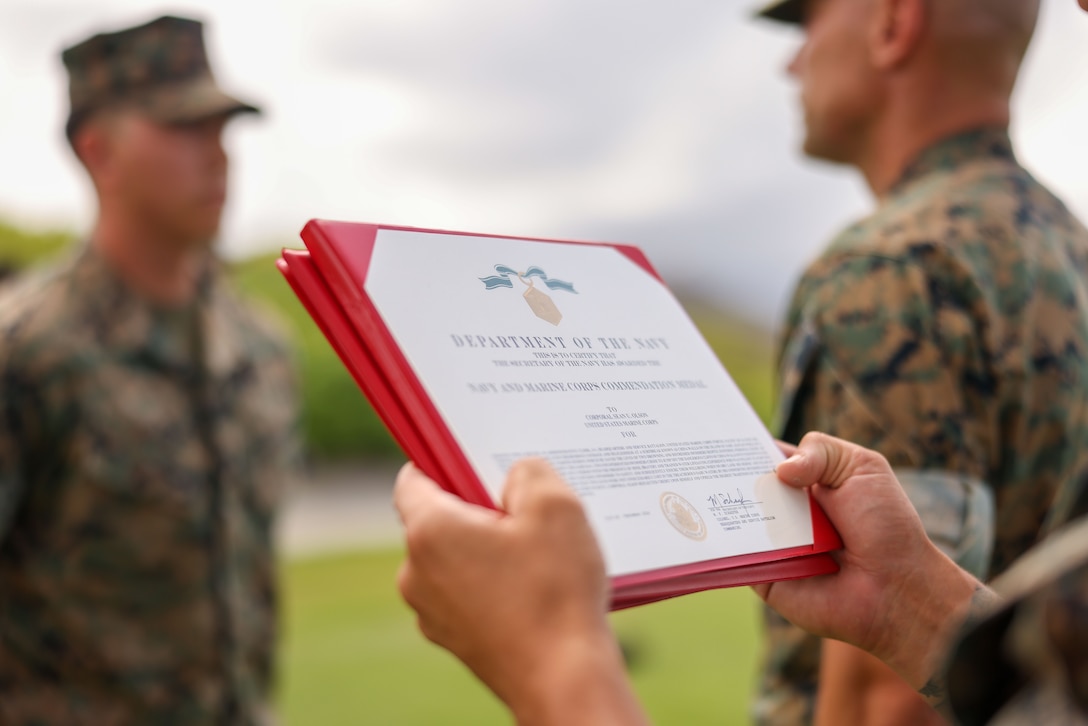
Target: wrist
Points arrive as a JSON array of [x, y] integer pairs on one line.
[[983, 602], [582, 681], [926, 610]]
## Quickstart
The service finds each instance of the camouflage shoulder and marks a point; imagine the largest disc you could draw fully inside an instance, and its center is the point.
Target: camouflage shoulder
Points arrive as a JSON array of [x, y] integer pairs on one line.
[[969, 204], [34, 306], [843, 289]]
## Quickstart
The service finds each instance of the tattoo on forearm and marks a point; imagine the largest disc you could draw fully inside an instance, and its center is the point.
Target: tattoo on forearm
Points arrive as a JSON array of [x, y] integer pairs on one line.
[[935, 691]]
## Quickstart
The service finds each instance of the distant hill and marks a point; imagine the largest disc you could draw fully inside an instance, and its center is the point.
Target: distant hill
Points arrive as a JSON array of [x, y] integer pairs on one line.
[[337, 420]]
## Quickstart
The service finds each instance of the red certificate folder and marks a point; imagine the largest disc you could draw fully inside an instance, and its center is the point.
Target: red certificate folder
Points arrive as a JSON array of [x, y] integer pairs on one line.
[[330, 278]]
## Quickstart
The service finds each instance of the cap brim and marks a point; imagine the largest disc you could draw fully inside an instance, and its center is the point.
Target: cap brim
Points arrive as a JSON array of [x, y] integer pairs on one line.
[[784, 11], [192, 101]]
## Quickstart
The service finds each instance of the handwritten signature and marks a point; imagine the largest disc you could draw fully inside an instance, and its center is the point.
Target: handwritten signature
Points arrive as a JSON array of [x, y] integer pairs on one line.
[[724, 501]]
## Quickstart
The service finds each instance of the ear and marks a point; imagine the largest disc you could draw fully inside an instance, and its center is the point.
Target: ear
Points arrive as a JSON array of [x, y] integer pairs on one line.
[[93, 144], [896, 31]]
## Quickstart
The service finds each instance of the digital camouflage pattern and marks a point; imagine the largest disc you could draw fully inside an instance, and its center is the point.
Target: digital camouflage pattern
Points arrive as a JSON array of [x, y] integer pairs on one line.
[[142, 456], [959, 515], [1026, 663], [949, 331], [160, 67]]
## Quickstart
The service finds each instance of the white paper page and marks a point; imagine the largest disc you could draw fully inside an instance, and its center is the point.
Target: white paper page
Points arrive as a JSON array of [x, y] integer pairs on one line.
[[621, 393]]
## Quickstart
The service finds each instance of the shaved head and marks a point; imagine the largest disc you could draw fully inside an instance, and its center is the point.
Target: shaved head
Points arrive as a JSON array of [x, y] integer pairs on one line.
[[1007, 21], [984, 40], [883, 79]]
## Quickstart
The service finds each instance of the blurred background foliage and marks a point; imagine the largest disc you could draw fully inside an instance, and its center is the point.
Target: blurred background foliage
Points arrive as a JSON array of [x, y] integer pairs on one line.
[[337, 420], [20, 248]]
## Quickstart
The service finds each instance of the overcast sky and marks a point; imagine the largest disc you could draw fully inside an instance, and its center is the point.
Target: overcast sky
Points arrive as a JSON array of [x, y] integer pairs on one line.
[[665, 123]]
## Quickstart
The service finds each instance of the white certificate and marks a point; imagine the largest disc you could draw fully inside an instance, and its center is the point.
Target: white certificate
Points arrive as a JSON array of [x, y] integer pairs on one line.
[[577, 354]]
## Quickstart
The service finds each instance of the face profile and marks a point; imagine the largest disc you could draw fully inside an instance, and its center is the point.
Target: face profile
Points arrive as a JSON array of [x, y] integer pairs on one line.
[[837, 90], [171, 176]]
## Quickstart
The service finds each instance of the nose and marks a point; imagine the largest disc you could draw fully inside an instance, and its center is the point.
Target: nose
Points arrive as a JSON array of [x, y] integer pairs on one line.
[[219, 153], [793, 68], [211, 142], [216, 149]]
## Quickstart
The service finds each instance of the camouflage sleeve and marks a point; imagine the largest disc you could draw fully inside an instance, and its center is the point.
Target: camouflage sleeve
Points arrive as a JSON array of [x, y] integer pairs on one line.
[[873, 359], [14, 425], [898, 367], [894, 364], [958, 513]]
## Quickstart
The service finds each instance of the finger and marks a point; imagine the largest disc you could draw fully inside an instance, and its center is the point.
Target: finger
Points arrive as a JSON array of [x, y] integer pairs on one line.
[[414, 591], [430, 514], [416, 495], [405, 577], [413, 492], [532, 481], [406, 471]]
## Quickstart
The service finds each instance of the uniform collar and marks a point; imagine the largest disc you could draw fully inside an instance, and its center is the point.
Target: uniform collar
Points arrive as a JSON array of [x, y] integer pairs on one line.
[[991, 142], [125, 322]]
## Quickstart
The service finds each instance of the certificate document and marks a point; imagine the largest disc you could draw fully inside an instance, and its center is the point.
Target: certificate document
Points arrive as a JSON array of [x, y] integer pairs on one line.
[[484, 350]]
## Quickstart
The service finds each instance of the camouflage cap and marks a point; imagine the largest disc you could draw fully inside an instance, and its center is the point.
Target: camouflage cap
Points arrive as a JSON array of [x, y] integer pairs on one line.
[[160, 68], [784, 11]]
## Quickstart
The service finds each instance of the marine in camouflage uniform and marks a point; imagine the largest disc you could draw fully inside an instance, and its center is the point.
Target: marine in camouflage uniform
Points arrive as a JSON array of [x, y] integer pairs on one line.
[[949, 331], [143, 451], [946, 330]]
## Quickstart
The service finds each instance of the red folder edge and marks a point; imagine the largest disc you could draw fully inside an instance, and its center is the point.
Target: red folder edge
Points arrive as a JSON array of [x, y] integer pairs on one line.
[[337, 262], [297, 267]]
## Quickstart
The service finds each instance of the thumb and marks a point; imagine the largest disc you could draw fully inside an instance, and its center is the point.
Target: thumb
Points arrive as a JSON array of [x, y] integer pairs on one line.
[[830, 462], [414, 492], [531, 482], [418, 499]]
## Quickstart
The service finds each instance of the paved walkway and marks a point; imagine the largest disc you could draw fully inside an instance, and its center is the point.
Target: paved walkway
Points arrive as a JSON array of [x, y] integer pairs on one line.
[[340, 508]]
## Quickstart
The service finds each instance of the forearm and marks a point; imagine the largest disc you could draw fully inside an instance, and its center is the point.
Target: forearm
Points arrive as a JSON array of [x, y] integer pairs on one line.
[[584, 684], [857, 688], [842, 685]]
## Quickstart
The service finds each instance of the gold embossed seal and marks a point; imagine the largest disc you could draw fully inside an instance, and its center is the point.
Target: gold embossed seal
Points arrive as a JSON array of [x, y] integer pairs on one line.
[[682, 515]]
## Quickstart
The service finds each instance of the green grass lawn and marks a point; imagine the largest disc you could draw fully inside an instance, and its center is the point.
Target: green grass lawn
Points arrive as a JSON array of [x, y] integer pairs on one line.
[[352, 655]]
